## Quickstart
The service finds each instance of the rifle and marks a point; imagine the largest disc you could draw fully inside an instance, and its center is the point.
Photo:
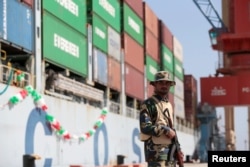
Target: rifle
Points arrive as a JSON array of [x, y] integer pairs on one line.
[[175, 151]]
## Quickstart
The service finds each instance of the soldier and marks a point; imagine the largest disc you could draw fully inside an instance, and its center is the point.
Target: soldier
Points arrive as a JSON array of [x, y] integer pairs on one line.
[[156, 121]]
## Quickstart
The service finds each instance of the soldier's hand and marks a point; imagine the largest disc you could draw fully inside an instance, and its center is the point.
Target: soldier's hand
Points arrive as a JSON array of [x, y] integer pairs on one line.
[[170, 134]]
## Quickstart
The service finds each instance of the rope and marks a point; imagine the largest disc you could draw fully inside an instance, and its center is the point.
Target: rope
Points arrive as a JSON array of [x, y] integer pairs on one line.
[[8, 82]]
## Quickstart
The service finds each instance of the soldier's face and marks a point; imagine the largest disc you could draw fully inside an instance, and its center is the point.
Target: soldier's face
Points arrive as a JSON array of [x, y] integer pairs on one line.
[[162, 87]]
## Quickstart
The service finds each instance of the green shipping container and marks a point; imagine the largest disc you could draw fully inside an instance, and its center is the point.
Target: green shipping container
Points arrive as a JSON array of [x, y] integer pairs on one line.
[[172, 87], [109, 10], [151, 68], [172, 75], [63, 45], [73, 13], [133, 24], [100, 36], [167, 58], [178, 69]]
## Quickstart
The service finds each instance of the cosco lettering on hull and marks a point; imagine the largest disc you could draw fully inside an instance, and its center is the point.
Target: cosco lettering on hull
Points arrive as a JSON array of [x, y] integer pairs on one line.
[[37, 116]]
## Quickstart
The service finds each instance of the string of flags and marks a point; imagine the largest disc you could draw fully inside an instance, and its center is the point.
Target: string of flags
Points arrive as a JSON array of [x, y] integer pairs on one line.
[[55, 125]]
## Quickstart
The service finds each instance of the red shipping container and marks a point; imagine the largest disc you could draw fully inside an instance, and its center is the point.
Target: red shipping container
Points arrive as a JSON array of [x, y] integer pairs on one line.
[[114, 74], [165, 36], [151, 20], [244, 89], [152, 45], [28, 2], [134, 82], [219, 91], [190, 83], [240, 12], [190, 99], [133, 53], [137, 6]]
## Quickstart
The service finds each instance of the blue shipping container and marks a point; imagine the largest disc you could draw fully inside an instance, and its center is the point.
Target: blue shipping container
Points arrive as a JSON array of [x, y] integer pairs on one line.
[[17, 24], [100, 69]]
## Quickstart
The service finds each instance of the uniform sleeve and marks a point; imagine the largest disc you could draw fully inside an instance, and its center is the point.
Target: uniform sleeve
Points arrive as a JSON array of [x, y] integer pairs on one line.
[[146, 122]]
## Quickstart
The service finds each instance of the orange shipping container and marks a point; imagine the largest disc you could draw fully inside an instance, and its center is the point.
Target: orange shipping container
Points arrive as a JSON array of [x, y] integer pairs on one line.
[[137, 6], [133, 53], [152, 45], [114, 74], [151, 20], [134, 82], [166, 36]]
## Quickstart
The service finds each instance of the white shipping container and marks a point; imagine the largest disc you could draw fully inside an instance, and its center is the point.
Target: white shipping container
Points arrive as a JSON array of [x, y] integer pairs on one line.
[[179, 88], [179, 108], [177, 49], [114, 44]]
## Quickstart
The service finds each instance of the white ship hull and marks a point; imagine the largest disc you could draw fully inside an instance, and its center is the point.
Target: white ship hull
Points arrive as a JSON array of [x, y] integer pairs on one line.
[[24, 130]]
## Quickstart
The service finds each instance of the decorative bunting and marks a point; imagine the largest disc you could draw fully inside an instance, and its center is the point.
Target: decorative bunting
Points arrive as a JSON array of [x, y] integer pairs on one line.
[[54, 123]]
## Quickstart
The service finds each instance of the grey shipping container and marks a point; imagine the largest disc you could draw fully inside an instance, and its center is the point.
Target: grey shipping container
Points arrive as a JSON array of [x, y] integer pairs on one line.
[[100, 70]]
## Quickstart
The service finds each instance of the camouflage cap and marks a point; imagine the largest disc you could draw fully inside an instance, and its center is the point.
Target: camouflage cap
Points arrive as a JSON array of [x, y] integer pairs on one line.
[[163, 76]]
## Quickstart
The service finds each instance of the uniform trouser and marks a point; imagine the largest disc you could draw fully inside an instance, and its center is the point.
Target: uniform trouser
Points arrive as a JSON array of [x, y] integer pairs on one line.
[[161, 164]]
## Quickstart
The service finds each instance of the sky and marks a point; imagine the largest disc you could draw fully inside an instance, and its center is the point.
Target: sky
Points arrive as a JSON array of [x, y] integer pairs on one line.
[[190, 27]]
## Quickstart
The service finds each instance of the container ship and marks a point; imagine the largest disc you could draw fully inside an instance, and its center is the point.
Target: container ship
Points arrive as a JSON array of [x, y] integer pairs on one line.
[[73, 74]]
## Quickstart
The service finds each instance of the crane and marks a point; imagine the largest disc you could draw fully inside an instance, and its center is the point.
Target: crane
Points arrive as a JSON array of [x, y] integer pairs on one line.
[[218, 28]]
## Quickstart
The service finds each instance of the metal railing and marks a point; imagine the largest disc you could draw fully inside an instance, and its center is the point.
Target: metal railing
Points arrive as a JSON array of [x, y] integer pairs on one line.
[[9, 75], [114, 107], [78, 88]]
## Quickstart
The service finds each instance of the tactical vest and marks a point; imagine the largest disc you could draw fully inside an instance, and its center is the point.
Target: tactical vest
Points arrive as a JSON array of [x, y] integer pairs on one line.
[[162, 113]]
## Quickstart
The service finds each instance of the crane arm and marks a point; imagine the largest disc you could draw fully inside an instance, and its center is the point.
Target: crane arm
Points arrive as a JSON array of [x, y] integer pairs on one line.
[[207, 9]]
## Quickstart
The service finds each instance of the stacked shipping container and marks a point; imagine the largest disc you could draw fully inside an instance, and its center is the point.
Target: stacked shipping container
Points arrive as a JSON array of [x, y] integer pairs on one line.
[[104, 17], [179, 79], [190, 96], [166, 53], [132, 43], [147, 42], [151, 47], [64, 35]]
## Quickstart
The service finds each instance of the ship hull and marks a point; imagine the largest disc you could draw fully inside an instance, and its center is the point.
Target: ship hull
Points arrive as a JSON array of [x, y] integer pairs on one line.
[[25, 130]]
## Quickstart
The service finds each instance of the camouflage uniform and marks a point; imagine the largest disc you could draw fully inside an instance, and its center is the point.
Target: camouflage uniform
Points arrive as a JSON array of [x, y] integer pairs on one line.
[[155, 154]]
